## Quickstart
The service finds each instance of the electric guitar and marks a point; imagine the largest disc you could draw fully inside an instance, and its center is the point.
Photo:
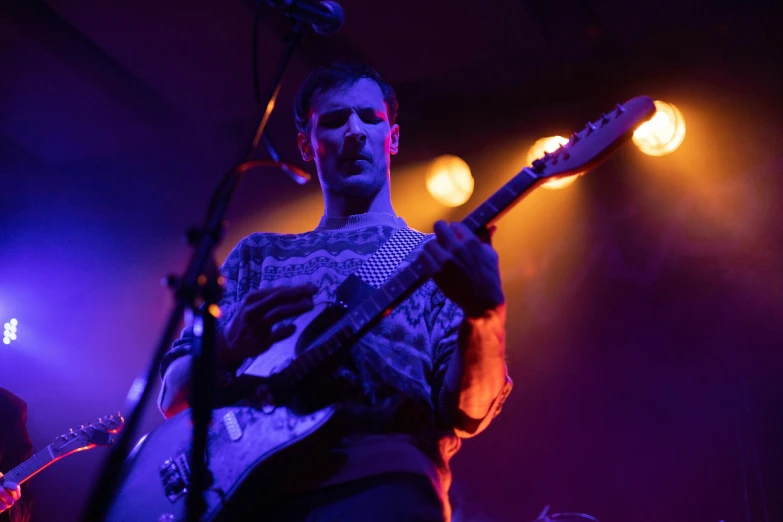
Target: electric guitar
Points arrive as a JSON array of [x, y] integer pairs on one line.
[[245, 436], [99, 433]]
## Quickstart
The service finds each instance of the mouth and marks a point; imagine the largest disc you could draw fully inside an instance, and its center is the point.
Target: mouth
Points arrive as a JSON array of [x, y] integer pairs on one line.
[[354, 158]]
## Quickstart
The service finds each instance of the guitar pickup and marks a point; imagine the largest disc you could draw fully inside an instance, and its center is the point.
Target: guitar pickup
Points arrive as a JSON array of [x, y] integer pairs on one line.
[[175, 476], [231, 423]]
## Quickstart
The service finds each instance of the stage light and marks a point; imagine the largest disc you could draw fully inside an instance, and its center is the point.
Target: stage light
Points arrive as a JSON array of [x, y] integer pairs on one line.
[[449, 180], [663, 133], [540, 148], [9, 333]]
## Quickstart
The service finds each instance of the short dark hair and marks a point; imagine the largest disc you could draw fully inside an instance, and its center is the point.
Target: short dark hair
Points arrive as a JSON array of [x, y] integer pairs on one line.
[[335, 76]]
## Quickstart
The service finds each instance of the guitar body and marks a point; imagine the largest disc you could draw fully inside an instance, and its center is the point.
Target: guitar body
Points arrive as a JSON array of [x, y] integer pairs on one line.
[[242, 439]]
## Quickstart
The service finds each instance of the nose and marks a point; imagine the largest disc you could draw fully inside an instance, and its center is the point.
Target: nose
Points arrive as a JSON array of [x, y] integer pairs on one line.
[[356, 129]]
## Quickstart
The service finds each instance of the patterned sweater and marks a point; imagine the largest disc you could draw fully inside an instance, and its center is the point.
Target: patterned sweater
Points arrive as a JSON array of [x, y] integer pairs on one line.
[[396, 371]]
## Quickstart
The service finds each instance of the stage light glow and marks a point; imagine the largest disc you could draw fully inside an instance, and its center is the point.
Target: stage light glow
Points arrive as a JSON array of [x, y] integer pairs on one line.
[[449, 180], [9, 332], [663, 133], [541, 147]]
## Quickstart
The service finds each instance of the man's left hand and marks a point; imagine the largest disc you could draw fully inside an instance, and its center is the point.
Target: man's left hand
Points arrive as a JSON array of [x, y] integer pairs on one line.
[[464, 267]]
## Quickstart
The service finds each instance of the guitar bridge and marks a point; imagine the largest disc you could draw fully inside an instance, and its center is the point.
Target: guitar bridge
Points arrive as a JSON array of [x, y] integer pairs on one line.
[[175, 476]]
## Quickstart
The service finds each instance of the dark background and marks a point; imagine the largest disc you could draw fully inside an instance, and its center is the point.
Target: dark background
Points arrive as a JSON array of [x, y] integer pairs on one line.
[[645, 300]]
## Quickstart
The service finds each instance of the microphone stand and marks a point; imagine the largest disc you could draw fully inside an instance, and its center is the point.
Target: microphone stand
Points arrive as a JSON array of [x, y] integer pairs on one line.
[[199, 284]]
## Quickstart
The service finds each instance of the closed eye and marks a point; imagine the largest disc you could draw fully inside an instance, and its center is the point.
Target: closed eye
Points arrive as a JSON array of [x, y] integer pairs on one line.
[[371, 116], [337, 118]]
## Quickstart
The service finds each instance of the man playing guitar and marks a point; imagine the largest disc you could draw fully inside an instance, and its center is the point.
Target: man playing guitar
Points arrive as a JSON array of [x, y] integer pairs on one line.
[[428, 375]]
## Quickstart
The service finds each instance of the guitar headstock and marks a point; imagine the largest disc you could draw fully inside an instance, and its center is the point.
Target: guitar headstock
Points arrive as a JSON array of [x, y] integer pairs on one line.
[[593, 144], [100, 433]]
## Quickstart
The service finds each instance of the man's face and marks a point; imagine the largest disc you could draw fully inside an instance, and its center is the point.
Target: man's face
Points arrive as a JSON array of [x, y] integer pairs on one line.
[[350, 139]]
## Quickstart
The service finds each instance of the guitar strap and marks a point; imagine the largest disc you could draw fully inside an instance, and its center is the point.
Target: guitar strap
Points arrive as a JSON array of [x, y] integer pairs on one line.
[[378, 267]]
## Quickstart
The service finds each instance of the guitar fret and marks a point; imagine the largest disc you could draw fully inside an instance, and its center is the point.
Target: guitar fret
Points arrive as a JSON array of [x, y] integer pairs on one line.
[[492, 207], [521, 183], [332, 345], [416, 271], [317, 356], [390, 292], [508, 188], [402, 278], [300, 365], [31, 466], [354, 322], [471, 222], [377, 301]]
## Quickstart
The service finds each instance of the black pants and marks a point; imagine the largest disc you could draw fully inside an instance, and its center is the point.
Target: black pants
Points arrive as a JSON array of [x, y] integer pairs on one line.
[[394, 497]]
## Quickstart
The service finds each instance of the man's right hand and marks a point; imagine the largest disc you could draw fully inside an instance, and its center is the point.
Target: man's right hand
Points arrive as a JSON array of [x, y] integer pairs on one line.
[[255, 326], [9, 493]]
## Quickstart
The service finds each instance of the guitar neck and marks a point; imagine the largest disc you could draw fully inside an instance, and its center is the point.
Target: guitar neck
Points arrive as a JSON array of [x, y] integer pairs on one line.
[[31, 466], [357, 321], [501, 201]]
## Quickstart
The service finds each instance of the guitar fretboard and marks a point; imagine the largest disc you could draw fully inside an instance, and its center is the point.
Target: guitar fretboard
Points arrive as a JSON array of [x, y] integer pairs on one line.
[[30, 467]]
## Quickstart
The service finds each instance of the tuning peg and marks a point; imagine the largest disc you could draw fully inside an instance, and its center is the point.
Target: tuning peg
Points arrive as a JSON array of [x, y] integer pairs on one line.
[[574, 138], [605, 119], [620, 109], [590, 128]]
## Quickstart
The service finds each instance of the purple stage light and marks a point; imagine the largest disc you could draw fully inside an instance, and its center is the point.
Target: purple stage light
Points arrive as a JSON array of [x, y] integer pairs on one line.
[[9, 333]]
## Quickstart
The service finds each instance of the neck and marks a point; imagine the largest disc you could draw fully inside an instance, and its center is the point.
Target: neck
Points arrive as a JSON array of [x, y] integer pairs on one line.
[[341, 205]]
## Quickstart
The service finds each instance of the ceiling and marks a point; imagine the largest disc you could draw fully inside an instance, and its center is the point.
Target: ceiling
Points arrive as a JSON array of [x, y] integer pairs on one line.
[[93, 80]]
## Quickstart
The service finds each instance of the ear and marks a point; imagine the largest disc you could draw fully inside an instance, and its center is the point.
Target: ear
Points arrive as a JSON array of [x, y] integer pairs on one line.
[[394, 139], [305, 147]]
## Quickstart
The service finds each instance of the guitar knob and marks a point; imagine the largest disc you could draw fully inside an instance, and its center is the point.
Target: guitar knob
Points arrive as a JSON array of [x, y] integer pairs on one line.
[[620, 109]]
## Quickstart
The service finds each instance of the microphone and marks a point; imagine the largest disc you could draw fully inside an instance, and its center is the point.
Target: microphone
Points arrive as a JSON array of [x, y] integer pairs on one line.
[[325, 16]]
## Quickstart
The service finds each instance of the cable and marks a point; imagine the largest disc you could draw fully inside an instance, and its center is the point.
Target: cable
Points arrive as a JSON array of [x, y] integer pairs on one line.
[[298, 175]]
